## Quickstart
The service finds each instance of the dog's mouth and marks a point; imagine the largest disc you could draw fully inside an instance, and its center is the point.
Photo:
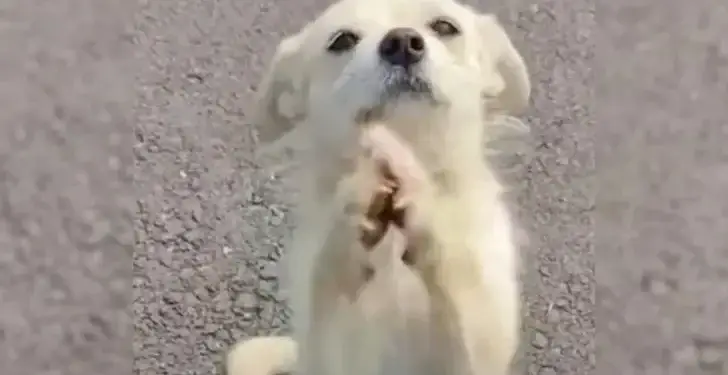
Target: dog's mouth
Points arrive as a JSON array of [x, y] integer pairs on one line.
[[398, 84], [399, 81]]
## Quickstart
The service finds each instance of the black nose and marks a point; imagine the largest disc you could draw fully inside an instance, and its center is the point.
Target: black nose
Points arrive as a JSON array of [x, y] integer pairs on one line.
[[402, 46]]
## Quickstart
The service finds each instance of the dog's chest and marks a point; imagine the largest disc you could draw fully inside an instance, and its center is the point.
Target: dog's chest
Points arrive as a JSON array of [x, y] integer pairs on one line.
[[386, 331]]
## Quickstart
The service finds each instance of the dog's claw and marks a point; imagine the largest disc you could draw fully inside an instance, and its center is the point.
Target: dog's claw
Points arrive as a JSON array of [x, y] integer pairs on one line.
[[399, 217], [371, 232], [408, 256], [391, 185], [377, 205], [384, 190], [401, 203], [368, 226]]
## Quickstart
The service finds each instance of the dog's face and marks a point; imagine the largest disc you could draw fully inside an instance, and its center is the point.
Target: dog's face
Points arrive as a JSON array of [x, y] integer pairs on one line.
[[378, 58]]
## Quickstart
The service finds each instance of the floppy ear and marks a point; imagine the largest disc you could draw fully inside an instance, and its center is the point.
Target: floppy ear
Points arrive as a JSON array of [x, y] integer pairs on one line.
[[282, 94], [507, 85]]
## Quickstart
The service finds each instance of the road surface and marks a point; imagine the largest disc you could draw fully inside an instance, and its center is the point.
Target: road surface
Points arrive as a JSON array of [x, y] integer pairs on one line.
[[82, 81]]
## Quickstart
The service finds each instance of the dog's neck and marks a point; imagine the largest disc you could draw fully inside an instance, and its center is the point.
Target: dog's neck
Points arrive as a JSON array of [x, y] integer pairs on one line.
[[442, 140]]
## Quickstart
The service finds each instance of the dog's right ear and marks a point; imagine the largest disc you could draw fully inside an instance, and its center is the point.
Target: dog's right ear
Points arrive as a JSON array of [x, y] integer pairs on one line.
[[282, 94]]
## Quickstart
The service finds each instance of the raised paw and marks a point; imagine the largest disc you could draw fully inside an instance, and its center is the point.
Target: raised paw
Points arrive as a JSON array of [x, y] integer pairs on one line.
[[401, 178], [375, 222], [399, 168]]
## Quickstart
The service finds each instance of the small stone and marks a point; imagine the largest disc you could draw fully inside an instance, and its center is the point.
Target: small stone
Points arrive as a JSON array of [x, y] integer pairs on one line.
[[194, 207], [246, 300], [562, 303], [655, 285], [276, 217], [539, 340], [553, 315], [710, 357], [174, 227], [192, 235], [544, 271], [114, 163], [202, 293], [268, 271], [686, 355]]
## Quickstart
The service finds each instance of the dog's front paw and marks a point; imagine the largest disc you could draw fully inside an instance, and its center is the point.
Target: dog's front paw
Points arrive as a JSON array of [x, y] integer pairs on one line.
[[378, 215], [402, 198]]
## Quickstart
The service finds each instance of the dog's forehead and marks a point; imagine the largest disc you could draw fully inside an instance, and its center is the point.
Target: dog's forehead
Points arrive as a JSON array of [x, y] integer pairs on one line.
[[371, 13]]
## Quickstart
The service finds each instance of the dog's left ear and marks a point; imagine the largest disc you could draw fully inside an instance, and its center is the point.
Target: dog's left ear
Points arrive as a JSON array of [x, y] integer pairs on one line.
[[507, 87]]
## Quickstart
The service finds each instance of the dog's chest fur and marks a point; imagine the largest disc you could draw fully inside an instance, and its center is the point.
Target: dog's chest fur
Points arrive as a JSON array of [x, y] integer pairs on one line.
[[386, 330]]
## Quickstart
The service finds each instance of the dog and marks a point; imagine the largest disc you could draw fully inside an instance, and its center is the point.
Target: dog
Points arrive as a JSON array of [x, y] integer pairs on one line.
[[431, 73]]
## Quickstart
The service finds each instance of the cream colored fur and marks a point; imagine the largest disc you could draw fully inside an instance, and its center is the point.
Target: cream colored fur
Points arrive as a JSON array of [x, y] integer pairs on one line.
[[456, 311]]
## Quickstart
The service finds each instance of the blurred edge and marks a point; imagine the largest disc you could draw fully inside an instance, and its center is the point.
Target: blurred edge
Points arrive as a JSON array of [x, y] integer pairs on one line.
[[66, 198], [662, 253]]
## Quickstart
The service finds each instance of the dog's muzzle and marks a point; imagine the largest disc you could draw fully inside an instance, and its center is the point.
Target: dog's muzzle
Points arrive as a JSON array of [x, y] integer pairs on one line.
[[401, 53], [398, 81], [398, 84], [401, 50], [402, 47]]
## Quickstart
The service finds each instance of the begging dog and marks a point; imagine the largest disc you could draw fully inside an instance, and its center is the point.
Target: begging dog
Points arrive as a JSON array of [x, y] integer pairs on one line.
[[429, 74], [379, 286]]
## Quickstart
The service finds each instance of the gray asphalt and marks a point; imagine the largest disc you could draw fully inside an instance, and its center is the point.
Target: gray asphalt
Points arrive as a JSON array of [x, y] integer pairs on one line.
[[107, 122]]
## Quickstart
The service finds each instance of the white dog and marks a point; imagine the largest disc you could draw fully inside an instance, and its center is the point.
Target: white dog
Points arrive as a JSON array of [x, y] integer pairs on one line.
[[432, 72]]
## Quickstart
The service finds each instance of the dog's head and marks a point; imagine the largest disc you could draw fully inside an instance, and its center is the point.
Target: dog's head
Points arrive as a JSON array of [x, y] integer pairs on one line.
[[377, 57]]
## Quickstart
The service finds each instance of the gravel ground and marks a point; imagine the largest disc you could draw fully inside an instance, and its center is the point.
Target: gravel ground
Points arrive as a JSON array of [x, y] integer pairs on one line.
[[209, 220]]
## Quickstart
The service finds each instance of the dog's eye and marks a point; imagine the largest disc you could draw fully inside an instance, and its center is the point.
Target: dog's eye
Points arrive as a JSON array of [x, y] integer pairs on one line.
[[342, 41], [444, 27]]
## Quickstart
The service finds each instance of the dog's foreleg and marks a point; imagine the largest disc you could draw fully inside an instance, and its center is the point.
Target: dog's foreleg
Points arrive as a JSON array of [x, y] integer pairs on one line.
[[328, 263], [467, 261]]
